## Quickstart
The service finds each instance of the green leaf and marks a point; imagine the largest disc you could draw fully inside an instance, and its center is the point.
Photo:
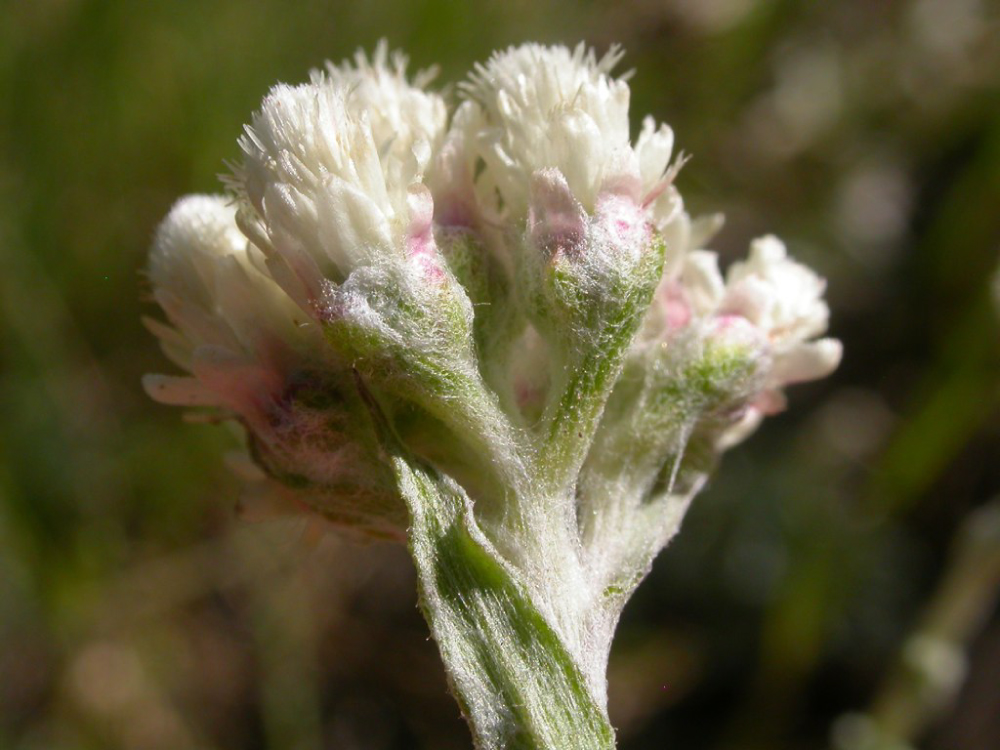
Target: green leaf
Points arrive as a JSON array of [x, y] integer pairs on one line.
[[514, 678]]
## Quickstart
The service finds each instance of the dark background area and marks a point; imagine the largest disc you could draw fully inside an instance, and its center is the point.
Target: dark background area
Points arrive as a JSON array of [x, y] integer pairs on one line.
[[136, 610]]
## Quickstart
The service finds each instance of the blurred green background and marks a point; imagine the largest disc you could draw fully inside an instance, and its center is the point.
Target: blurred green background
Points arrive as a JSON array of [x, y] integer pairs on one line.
[[137, 612]]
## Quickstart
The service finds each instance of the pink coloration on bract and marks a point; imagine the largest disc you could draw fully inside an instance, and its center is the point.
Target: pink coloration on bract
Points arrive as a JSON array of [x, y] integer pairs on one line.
[[245, 386], [624, 221], [420, 244], [676, 308], [556, 220]]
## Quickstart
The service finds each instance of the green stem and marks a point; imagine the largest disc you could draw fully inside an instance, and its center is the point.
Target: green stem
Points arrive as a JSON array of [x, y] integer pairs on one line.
[[516, 681]]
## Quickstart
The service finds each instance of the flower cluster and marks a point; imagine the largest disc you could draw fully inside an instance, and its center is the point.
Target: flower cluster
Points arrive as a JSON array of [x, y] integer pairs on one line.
[[464, 272], [501, 329]]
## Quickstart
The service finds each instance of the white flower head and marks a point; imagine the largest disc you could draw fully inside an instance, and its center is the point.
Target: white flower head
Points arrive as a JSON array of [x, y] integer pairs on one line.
[[550, 107], [333, 169], [233, 328], [785, 300], [253, 355], [782, 297], [778, 298]]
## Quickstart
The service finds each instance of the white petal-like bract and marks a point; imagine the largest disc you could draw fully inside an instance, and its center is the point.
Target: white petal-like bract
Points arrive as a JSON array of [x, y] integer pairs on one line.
[[407, 121]]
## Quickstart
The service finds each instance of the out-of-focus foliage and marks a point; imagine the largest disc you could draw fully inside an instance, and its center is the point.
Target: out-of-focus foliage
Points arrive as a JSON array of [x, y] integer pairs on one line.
[[136, 610]]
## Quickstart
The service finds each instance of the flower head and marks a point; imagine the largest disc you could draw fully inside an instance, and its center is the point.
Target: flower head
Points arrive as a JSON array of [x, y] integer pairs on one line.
[[406, 119], [252, 354], [333, 168], [782, 300], [553, 108], [777, 294], [226, 311]]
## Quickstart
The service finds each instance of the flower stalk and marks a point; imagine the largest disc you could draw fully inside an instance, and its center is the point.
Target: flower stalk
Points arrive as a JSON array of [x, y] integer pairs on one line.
[[498, 337]]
